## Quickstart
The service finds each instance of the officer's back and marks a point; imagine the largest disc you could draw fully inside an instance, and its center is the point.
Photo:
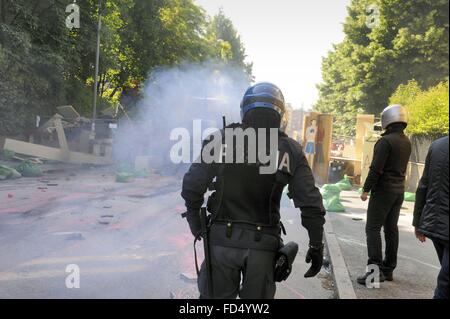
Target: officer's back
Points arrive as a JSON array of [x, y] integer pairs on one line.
[[245, 230]]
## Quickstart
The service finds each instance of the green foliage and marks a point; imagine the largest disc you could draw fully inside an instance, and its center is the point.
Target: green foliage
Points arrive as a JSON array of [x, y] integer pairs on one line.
[[43, 64], [362, 72], [228, 43], [428, 110]]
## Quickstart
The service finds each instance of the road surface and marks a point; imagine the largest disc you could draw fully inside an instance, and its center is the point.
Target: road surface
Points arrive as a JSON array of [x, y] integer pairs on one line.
[[126, 240], [418, 265]]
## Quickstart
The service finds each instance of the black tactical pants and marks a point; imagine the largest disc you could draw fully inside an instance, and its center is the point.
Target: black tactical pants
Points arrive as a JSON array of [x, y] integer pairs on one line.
[[442, 289], [384, 211], [247, 273]]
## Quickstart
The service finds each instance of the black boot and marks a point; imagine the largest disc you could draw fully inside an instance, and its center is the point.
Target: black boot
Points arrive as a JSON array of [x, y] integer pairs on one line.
[[388, 275], [362, 279]]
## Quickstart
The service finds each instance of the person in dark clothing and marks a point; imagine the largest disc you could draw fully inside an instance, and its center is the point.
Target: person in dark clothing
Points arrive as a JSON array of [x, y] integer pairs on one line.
[[386, 183], [245, 208], [431, 209]]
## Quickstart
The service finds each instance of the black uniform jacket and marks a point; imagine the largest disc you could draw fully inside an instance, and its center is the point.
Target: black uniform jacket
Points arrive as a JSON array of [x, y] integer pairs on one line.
[[390, 162], [248, 199], [431, 207]]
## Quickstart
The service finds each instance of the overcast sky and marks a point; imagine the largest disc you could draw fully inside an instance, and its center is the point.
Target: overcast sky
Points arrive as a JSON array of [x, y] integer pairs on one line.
[[286, 39]]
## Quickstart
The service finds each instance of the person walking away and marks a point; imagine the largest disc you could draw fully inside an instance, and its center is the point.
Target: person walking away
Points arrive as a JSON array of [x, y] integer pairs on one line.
[[386, 183]]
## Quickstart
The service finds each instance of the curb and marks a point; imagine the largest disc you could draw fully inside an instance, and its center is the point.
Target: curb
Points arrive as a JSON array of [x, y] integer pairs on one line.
[[341, 276]]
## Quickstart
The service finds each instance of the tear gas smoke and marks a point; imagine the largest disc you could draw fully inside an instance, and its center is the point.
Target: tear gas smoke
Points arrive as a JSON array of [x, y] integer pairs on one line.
[[175, 98]]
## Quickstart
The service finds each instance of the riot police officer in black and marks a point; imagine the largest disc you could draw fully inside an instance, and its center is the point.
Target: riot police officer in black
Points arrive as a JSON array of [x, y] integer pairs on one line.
[[245, 226]]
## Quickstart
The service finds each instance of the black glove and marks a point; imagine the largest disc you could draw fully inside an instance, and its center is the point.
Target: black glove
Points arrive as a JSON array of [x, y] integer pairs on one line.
[[315, 257], [193, 218]]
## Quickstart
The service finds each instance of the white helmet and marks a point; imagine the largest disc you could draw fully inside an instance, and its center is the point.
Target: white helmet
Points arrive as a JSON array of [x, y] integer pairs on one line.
[[394, 114]]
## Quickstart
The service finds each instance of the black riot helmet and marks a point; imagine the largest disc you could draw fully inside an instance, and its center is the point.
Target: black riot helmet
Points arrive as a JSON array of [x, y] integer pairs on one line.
[[263, 95]]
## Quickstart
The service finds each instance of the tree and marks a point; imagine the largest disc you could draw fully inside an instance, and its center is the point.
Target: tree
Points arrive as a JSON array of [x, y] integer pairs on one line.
[[409, 41], [229, 43], [43, 64]]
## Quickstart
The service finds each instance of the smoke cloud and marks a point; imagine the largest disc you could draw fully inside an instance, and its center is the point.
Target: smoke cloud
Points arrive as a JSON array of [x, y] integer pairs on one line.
[[175, 98]]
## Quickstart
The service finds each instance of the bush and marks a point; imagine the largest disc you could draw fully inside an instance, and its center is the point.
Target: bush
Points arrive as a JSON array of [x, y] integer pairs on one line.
[[428, 110]]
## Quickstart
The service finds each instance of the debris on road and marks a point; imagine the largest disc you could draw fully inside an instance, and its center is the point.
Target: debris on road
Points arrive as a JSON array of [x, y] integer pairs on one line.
[[29, 169], [74, 236], [331, 198], [7, 172], [124, 178]]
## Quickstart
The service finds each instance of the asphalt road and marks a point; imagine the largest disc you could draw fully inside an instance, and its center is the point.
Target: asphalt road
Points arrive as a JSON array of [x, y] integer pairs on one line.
[[418, 265], [126, 240]]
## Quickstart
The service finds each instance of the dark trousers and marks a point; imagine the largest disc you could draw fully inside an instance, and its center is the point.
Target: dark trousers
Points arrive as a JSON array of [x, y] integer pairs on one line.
[[384, 211], [442, 288], [247, 273]]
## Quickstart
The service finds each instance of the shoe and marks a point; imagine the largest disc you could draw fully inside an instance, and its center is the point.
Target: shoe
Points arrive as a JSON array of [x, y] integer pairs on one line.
[[388, 275], [362, 279]]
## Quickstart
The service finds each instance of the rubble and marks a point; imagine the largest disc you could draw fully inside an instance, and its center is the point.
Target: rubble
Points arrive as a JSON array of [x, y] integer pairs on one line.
[[29, 169], [124, 178], [7, 172]]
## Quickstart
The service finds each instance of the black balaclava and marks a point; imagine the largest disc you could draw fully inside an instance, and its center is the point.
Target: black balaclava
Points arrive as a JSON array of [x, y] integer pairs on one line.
[[262, 118]]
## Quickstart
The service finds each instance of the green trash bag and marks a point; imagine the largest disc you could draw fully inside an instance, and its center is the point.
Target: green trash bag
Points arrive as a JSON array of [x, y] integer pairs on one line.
[[124, 178], [8, 173], [410, 197], [344, 184], [330, 190], [143, 173], [29, 169], [334, 204]]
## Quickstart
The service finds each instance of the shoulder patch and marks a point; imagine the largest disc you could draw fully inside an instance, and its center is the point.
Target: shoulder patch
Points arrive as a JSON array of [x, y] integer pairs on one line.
[[285, 163]]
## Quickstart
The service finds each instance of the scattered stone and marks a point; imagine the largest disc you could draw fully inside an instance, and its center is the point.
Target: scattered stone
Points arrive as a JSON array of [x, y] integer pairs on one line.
[[50, 184], [75, 236], [172, 295], [42, 188], [107, 216], [107, 206], [10, 195], [103, 222]]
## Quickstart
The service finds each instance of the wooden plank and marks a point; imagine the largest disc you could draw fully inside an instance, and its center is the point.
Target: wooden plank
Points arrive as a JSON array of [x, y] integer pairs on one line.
[[55, 154], [68, 112], [62, 138]]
